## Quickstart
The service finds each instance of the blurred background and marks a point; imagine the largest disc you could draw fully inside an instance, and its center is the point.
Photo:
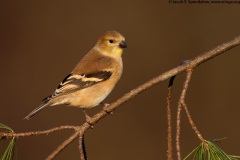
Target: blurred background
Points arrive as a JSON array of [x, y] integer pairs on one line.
[[41, 42]]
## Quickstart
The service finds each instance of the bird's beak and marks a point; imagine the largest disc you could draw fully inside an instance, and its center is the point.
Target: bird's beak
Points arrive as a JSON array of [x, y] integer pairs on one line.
[[123, 44]]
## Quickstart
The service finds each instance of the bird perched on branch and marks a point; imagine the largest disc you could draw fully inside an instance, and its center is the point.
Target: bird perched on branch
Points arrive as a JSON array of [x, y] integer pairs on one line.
[[93, 78]]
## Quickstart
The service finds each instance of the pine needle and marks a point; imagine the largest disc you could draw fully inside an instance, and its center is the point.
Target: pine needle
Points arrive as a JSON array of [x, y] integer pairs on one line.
[[9, 152], [3, 126], [207, 150]]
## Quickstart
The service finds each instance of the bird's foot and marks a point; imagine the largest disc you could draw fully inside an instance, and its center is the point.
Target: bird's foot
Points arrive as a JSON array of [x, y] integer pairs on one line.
[[105, 105], [88, 119]]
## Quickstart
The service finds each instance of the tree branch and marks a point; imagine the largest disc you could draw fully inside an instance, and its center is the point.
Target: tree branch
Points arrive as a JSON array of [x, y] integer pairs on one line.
[[181, 103], [169, 119], [36, 133], [82, 148], [181, 68]]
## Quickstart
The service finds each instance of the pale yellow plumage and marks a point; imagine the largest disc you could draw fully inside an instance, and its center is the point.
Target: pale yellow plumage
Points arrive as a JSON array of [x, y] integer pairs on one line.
[[93, 78]]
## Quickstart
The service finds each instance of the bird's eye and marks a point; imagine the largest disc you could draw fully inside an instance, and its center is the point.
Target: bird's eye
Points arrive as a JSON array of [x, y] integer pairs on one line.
[[111, 41]]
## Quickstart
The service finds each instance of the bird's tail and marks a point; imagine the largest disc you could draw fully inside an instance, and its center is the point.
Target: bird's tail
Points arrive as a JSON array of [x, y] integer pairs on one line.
[[38, 109]]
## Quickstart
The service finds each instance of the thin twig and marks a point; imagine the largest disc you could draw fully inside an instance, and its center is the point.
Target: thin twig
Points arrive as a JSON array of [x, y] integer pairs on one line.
[[192, 123], [36, 133], [183, 103], [82, 148], [179, 108], [169, 119], [180, 104]]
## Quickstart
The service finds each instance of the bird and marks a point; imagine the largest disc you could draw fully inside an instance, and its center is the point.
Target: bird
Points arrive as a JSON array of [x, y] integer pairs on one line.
[[92, 79]]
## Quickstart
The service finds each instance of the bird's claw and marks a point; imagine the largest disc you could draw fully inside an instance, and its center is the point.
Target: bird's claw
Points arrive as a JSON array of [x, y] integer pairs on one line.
[[105, 105], [88, 119]]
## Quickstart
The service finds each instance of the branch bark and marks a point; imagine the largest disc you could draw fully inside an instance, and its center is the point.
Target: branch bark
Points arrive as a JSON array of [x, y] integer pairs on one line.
[[36, 133], [169, 119], [82, 148], [181, 103]]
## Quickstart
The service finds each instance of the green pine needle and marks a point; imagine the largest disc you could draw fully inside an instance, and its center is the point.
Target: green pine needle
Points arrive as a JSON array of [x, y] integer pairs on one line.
[[3, 126], [9, 152], [207, 150]]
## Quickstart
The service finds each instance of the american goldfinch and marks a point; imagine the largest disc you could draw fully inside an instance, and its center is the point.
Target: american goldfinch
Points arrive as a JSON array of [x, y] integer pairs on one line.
[[93, 78]]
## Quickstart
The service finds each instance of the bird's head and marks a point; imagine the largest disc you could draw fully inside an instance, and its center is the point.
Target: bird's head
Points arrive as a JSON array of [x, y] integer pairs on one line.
[[111, 43]]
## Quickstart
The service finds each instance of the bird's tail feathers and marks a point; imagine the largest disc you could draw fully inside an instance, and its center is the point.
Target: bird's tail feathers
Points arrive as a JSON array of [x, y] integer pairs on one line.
[[38, 109]]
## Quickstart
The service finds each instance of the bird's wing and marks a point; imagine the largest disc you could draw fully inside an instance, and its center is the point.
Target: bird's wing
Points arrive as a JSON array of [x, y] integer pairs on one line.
[[75, 82], [92, 69]]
